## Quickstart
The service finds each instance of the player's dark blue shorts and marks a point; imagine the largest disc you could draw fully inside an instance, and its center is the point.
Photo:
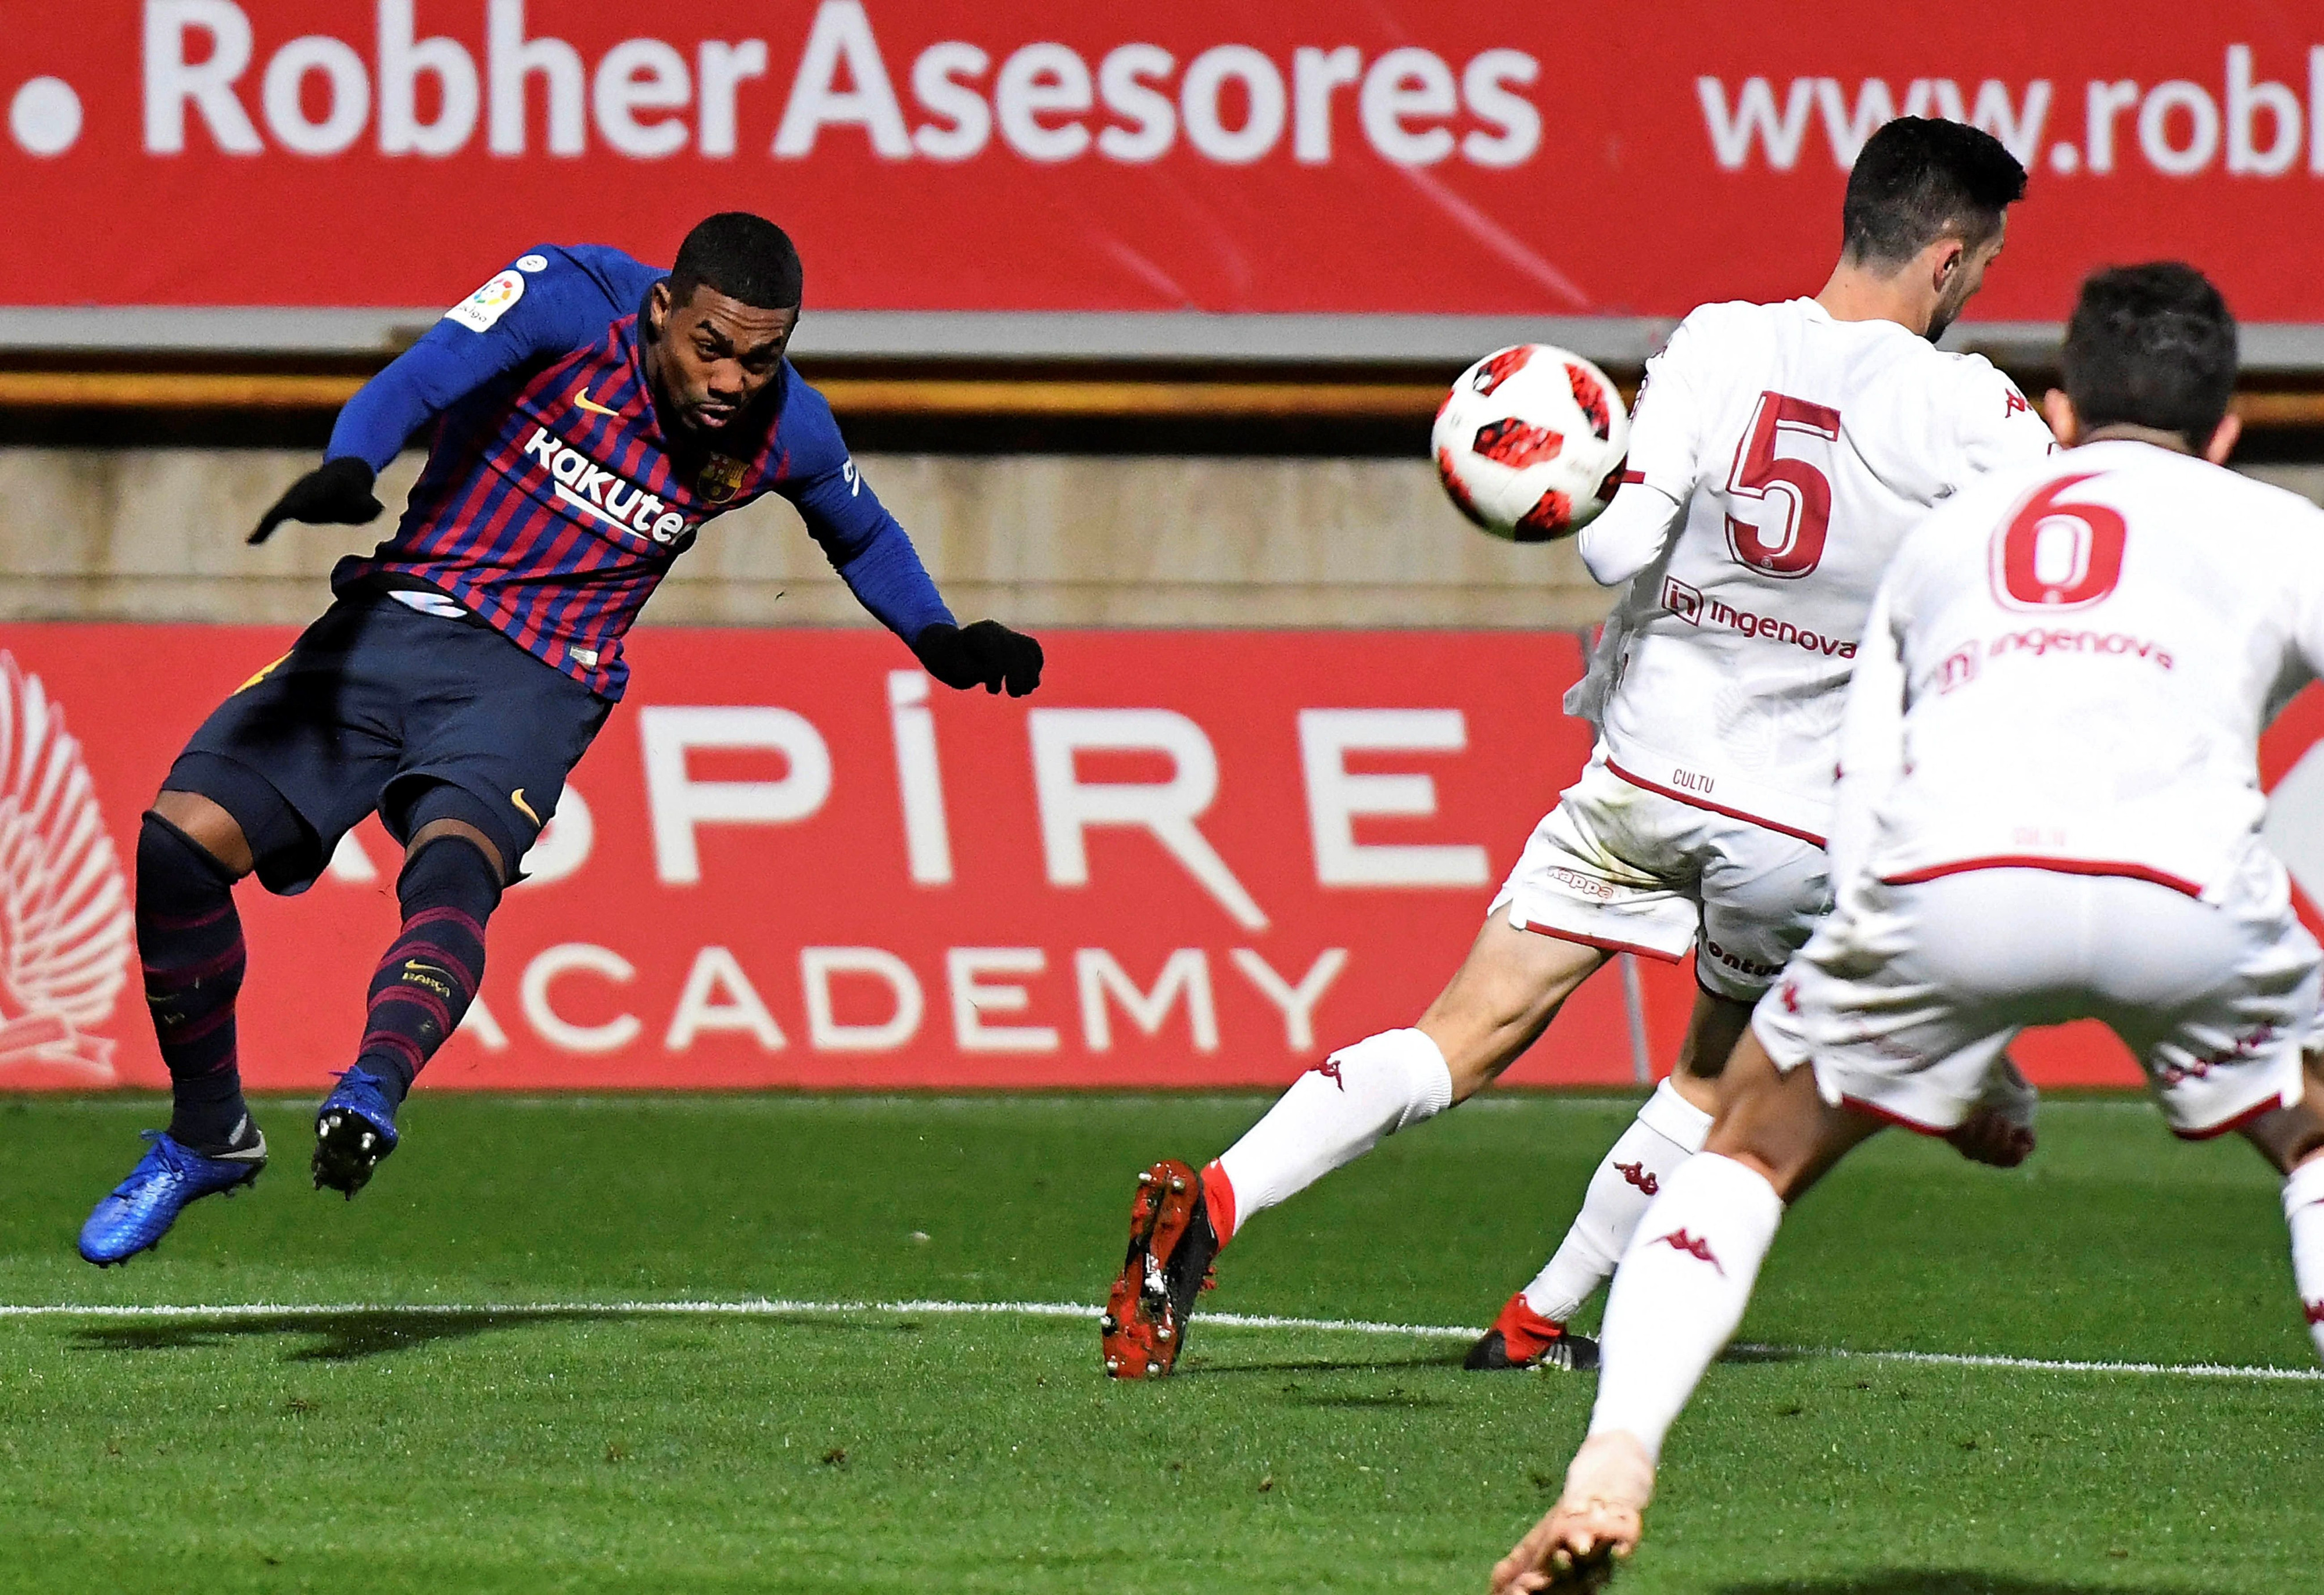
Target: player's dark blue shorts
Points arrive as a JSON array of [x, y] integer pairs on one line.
[[379, 707]]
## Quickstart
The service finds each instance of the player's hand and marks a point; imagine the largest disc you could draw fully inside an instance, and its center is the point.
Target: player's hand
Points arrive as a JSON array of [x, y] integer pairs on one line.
[[1560, 1554], [337, 493], [1999, 1129], [1987, 1135], [986, 654]]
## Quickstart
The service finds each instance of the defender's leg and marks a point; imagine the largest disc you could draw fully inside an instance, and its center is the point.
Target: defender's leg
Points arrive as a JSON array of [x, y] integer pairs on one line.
[[1530, 1332], [1497, 1005], [2292, 1139], [1867, 1025], [1756, 894], [1682, 1289], [1503, 996], [1573, 897]]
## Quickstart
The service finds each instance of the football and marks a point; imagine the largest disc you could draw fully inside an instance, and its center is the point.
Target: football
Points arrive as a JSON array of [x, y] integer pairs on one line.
[[1530, 442]]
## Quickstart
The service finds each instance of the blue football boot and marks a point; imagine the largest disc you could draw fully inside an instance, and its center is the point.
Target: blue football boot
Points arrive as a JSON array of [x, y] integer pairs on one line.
[[355, 1130], [142, 1207]]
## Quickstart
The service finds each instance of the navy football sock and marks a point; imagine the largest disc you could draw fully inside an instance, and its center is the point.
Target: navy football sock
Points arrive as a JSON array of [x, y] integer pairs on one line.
[[189, 943], [449, 890]]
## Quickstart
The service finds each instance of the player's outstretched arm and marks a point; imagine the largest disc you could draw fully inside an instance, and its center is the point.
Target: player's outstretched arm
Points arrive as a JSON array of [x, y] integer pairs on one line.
[[544, 304], [876, 558]]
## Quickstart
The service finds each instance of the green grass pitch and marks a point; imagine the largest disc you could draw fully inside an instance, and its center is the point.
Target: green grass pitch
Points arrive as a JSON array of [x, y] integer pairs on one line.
[[434, 1449]]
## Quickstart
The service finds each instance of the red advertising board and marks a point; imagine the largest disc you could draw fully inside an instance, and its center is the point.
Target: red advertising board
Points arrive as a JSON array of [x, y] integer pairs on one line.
[[1030, 155], [1193, 859], [793, 864]]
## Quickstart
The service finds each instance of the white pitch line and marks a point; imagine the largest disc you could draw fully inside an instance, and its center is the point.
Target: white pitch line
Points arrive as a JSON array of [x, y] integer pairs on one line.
[[781, 1308], [2187, 1371]]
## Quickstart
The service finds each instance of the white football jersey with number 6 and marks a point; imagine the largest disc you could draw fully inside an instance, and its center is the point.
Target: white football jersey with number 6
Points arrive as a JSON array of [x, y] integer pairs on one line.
[[1802, 448], [2069, 668]]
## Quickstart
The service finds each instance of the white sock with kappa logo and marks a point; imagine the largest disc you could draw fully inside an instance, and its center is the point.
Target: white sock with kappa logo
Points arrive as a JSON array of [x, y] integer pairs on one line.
[[1335, 1114], [2303, 1211], [1681, 1292], [1668, 1130]]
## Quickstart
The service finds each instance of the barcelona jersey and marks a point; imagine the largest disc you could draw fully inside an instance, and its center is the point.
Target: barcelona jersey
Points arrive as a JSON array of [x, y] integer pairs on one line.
[[553, 500]]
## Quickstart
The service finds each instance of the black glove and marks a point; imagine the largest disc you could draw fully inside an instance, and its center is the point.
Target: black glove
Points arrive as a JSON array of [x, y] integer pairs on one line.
[[337, 493], [987, 653]]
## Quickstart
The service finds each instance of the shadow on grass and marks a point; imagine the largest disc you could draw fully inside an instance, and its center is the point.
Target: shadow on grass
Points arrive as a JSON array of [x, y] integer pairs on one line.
[[1390, 1400], [359, 1334], [1927, 1580], [1206, 1368]]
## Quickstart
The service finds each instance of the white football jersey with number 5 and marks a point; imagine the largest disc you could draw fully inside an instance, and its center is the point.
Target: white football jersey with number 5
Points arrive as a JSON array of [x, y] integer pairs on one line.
[[1802, 448], [2069, 668]]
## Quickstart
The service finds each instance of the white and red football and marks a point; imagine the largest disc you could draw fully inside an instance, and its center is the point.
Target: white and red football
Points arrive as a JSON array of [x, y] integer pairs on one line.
[[1530, 442]]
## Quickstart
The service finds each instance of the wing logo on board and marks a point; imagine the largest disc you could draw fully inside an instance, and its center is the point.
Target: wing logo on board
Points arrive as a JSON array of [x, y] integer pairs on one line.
[[65, 923]]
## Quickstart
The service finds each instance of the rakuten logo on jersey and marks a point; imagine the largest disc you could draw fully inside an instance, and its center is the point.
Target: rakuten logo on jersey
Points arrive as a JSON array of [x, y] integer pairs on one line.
[[600, 496], [1692, 606], [948, 101]]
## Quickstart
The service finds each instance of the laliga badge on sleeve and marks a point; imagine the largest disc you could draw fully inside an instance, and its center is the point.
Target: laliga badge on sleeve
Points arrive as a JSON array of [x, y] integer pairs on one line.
[[721, 478], [489, 303]]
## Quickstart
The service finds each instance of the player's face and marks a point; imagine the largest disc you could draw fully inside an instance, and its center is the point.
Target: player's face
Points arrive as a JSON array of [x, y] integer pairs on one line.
[[1967, 276], [716, 354]]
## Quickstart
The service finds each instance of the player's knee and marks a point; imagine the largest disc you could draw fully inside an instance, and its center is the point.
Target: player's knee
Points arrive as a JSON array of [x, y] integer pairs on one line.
[[174, 868], [189, 820], [450, 866], [440, 811]]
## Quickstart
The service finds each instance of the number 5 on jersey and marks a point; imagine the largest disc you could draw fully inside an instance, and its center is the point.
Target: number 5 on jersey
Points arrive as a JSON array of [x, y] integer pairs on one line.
[[1796, 495]]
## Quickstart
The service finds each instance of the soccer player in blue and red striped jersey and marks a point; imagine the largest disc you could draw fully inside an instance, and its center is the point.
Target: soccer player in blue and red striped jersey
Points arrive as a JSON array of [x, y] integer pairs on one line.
[[590, 413]]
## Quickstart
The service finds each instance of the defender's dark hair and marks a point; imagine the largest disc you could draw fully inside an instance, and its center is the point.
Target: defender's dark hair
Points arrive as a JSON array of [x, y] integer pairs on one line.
[[2151, 346], [1920, 180], [743, 256]]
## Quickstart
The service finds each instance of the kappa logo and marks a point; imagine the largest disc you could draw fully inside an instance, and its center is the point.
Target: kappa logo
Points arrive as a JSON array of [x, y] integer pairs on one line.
[[1693, 1246], [1330, 1070], [601, 495], [65, 923], [1636, 1173]]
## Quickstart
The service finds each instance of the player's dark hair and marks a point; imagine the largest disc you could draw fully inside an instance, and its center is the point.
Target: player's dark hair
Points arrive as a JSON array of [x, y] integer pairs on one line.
[[1920, 180], [743, 256], [2151, 346]]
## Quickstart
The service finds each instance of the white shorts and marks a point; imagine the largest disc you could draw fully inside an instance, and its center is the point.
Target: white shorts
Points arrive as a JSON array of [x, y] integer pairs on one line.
[[1633, 871], [1907, 995]]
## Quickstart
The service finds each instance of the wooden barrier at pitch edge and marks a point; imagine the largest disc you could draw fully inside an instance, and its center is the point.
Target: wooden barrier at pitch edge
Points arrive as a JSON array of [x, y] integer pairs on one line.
[[2263, 408]]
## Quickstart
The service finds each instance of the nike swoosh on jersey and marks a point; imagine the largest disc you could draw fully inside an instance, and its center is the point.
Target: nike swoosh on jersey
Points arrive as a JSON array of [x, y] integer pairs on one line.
[[583, 399], [417, 967], [517, 797]]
